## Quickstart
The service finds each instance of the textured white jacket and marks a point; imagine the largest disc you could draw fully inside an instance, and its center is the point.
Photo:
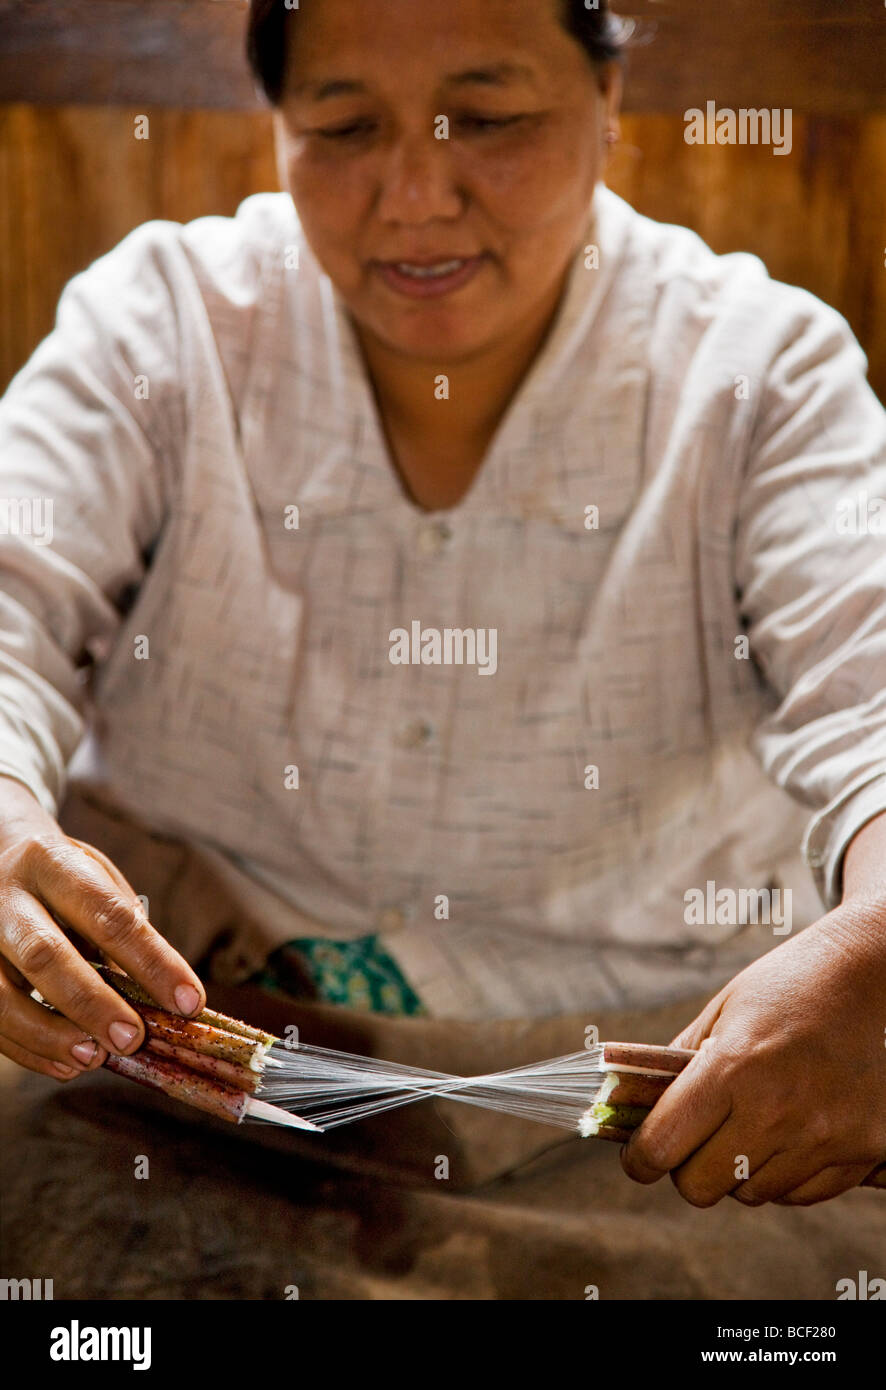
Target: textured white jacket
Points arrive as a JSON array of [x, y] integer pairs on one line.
[[715, 647]]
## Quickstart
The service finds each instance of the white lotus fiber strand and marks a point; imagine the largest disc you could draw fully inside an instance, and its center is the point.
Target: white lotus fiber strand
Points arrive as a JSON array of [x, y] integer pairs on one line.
[[335, 1088]]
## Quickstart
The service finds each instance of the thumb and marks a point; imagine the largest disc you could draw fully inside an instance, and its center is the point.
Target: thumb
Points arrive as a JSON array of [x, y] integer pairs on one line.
[[692, 1109], [696, 1032]]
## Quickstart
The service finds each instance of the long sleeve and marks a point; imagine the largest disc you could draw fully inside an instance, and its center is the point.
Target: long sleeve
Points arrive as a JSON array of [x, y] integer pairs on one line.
[[87, 444], [811, 576]]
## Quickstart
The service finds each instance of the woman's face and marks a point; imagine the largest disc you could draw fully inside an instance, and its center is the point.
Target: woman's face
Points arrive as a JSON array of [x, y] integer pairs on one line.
[[379, 180]]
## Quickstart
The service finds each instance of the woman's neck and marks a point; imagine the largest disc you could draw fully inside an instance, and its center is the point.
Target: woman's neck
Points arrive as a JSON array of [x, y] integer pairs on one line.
[[480, 387]]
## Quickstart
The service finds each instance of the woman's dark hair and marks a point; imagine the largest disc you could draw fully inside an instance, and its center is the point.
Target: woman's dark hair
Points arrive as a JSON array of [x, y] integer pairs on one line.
[[601, 34]]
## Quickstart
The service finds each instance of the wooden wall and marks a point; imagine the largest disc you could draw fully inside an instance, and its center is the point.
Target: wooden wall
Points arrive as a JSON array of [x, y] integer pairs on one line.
[[74, 180], [818, 221]]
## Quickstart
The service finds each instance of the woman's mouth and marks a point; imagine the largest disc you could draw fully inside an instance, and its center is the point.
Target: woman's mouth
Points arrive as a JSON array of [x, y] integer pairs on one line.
[[435, 278]]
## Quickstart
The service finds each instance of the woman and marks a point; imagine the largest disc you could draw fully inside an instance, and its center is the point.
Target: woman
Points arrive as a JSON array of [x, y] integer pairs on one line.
[[454, 384]]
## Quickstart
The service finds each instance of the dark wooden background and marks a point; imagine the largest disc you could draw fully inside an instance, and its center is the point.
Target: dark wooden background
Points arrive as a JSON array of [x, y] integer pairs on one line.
[[74, 74]]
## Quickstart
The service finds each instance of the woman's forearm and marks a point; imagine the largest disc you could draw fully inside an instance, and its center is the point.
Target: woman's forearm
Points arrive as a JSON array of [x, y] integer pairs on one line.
[[864, 863]]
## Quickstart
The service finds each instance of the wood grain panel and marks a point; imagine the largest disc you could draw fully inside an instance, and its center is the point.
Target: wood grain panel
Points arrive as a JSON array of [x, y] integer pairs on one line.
[[825, 56], [74, 181], [179, 53]]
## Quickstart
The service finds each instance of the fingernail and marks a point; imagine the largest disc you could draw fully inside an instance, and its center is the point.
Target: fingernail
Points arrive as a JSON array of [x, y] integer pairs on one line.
[[61, 1070], [186, 999], [84, 1051], [122, 1034]]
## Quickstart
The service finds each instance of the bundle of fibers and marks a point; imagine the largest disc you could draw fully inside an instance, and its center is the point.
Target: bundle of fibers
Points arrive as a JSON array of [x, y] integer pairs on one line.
[[211, 1062], [241, 1073]]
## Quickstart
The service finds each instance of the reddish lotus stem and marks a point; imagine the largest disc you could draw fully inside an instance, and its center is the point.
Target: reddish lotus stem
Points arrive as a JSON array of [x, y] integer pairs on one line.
[[182, 1084], [201, 1038], [137, 996], [125, 985], [231, 1073], [234, 1025], [630, 1088], [644, 1058]]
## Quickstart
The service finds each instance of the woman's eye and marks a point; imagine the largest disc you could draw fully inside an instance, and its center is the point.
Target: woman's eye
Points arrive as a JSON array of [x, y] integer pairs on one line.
[[478, 123], [344, 132], [489, 122]]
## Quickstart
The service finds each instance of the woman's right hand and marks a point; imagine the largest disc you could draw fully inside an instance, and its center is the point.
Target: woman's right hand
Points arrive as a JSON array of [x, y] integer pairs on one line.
[[44, 876]]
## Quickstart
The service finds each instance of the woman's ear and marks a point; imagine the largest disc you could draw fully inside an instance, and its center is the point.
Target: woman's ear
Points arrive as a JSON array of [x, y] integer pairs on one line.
[[611, 90], [280, 150]]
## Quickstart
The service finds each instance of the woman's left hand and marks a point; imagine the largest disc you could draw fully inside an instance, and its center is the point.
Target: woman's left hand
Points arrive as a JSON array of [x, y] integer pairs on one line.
[[786, 1101]]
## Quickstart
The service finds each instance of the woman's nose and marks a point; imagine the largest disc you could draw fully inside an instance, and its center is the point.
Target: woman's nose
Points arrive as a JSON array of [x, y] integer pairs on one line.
[[418, 181]]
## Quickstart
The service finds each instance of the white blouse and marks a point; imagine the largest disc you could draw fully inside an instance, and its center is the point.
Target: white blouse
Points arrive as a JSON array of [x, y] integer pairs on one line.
[[674, 538]]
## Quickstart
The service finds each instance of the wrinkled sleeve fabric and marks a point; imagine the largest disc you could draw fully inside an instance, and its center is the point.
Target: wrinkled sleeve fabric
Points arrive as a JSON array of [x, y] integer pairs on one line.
[[811, 579], [88, 432]]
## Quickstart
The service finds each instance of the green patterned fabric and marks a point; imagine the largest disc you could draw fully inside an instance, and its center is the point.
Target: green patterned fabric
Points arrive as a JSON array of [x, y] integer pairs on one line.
[[359, 974]]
